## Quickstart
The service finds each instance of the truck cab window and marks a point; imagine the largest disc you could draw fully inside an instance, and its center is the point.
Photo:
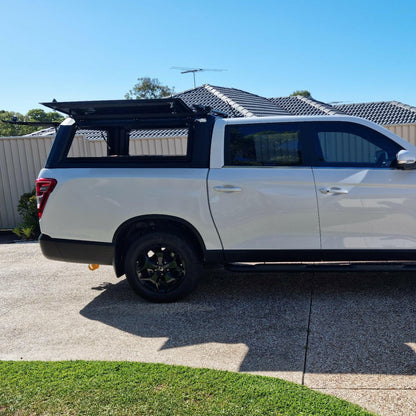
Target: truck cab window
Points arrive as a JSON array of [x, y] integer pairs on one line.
[[348, 144], [262, 145]]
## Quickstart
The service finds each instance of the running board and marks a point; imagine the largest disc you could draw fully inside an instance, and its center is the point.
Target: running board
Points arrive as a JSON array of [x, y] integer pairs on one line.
[[321, 267]]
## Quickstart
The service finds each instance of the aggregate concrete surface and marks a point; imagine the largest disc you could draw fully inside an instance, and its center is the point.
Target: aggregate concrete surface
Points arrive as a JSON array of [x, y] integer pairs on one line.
[[352, 335]]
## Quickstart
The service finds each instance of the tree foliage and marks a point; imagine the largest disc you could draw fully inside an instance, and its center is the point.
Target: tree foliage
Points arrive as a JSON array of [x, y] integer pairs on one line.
[[39, 115], [303, 93], [11, 129], [148, 88], [36, 115], [27, 208]]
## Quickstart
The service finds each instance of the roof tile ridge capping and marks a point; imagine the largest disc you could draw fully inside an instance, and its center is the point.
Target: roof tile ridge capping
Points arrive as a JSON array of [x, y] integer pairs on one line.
[[50, 131], [229, 101], [405, 106], [177, 94], [363, 103], [319, 105]]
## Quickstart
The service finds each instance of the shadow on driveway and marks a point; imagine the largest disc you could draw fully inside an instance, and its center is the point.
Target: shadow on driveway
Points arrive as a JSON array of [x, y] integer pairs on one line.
[[357, 323]]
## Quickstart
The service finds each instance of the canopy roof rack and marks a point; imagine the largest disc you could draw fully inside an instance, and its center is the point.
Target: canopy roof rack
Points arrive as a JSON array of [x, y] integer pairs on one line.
[[163, 108]]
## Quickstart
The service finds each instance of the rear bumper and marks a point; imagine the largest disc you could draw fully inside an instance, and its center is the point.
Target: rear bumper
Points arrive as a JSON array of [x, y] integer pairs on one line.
[[76, 251]]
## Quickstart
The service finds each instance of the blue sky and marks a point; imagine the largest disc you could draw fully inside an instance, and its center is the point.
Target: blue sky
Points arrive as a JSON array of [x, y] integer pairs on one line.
[[344, 50]]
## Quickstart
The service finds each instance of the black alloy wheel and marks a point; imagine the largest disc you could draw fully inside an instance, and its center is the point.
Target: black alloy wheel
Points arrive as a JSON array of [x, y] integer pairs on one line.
[[161, 267]]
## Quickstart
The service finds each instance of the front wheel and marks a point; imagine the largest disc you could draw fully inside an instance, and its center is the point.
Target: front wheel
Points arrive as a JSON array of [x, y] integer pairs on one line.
[[162, 267]]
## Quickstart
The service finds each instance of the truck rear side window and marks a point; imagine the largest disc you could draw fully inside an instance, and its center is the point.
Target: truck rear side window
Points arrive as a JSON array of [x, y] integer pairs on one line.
[[262, 145]]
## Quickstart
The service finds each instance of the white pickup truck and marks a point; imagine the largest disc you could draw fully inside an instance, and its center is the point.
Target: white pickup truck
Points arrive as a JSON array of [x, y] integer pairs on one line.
[[261, 193]]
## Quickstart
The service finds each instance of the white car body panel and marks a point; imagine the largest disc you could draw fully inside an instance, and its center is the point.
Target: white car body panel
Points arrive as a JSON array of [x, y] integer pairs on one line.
[[90, 204], [275, 210], [378, 212]]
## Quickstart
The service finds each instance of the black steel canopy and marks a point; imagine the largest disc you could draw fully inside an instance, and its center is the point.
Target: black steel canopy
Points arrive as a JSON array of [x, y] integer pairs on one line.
[[163, 108]]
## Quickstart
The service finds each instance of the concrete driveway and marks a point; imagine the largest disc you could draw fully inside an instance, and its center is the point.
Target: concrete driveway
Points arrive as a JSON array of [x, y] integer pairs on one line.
[[350, 335]]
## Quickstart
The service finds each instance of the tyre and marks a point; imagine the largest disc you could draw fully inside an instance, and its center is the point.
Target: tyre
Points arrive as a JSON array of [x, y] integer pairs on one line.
[[162, 267]]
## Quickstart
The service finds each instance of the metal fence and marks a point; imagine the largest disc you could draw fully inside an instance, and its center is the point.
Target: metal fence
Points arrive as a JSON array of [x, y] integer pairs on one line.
[[21, 159], [406, 131]]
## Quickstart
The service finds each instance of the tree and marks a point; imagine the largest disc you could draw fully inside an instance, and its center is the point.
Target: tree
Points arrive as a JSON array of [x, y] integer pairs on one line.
[[7, 129], [148, 88], [303, 93], [40, 115], [34, 115]]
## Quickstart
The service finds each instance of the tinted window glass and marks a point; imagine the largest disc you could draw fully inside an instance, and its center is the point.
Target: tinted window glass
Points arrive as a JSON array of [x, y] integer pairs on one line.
[[348, 144], [262, 145]]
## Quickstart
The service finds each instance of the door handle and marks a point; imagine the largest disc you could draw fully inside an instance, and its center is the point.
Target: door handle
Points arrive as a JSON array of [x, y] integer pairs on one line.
[[333, 190], [227, 188]]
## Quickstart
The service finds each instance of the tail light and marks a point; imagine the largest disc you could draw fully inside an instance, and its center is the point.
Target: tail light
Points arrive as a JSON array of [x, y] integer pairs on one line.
[[44, 187]]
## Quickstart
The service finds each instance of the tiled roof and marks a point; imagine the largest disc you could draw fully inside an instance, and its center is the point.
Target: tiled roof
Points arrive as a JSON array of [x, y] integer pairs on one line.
[[384, 113], [249, 104], [302, 106], [234, 102], [203, 96], [136, 134]]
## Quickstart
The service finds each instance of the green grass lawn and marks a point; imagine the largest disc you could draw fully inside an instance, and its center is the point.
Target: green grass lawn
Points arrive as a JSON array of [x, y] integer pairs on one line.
[[125, 388]]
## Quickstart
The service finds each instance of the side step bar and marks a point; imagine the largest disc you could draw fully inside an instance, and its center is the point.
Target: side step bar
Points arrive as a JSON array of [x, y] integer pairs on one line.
[[321, 267]]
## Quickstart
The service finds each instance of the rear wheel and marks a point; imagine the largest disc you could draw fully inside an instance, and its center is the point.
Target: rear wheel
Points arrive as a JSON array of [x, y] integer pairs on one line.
[[162, 267]]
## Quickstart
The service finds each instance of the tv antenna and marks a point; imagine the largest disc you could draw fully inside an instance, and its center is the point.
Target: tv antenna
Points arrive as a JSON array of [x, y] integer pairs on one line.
[[186, 70]]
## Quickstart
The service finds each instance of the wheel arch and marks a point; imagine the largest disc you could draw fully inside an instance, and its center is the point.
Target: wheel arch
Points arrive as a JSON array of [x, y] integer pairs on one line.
[[136, 227]]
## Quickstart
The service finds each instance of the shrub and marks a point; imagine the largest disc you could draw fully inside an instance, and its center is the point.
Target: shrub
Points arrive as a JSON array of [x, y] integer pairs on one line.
[[27, 208]]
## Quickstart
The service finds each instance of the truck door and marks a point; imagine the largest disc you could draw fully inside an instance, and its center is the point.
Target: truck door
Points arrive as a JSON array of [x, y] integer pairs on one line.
[[365, 202], [261, 190]]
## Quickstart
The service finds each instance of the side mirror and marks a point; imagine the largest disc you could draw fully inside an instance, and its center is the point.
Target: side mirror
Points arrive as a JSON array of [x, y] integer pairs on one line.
[[405, 160]]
